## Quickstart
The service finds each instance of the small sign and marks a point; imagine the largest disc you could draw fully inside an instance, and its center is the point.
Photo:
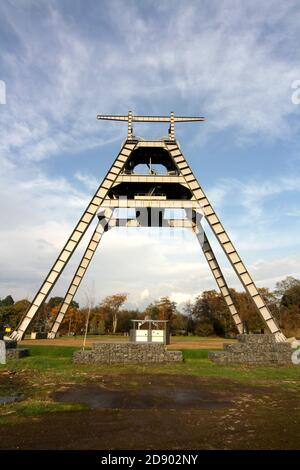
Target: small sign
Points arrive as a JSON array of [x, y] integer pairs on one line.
[[7, 329], [2, 352]]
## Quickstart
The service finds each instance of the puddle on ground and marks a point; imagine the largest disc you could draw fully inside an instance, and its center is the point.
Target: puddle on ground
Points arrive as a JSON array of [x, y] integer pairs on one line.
[[11, 399], [153, 397]]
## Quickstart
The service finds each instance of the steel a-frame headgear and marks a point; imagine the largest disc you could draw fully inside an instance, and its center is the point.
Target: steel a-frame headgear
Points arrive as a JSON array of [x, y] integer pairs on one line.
[[150, 196]]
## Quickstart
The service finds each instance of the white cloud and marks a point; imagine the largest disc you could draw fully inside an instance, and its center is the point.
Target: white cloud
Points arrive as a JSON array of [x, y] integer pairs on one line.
[[222, 68], [146, 263], [181, 298], [89, 181], [294, 213], [253, 194], [234, 61], [269, 272], [145, 294]]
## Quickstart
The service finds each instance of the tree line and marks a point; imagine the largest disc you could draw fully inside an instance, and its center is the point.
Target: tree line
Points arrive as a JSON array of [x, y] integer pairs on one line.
[[206, 315]]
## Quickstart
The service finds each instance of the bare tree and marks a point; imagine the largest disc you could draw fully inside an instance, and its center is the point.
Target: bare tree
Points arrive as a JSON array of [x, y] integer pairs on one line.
[[90, 302]]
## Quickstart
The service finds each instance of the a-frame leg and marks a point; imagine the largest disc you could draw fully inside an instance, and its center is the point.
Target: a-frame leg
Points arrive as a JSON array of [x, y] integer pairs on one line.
[[218, 275], [225, 241], [74, 240], [102, 226]]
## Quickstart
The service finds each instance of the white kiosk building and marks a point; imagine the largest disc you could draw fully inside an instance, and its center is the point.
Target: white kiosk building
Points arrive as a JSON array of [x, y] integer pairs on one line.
[[150, 331]]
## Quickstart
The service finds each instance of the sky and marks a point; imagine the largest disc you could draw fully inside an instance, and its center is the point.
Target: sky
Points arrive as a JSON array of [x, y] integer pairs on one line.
[[63, 62]]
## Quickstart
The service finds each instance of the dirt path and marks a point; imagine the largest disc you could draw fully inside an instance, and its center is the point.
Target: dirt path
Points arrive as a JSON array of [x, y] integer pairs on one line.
[[163, 412], [175, 343]]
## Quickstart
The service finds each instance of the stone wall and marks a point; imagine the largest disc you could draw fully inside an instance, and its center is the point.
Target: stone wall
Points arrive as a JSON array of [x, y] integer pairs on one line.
[[254, 349], [12, 352], [126, 353], [10, 344], [16, 353]]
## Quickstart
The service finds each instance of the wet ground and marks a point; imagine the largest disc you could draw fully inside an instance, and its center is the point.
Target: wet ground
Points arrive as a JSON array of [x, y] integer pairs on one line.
[[150, 397], [163, 412], [9, 399]]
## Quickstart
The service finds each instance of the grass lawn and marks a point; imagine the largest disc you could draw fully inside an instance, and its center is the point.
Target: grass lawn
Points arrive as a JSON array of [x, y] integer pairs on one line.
[[54, 363], [37, 378]]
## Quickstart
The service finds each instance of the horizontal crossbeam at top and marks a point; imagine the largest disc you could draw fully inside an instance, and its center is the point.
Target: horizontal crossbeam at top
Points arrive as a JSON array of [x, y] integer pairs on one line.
[[114, 117]]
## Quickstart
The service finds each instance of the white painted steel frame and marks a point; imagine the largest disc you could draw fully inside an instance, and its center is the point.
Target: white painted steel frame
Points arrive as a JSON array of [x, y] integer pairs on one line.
[[199, 200]]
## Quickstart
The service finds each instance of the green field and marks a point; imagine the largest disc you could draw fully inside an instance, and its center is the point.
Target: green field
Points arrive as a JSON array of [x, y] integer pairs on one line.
[[36, 379], [47, 364]]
